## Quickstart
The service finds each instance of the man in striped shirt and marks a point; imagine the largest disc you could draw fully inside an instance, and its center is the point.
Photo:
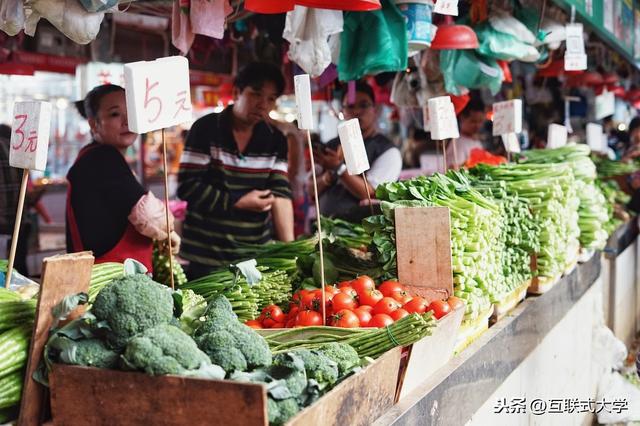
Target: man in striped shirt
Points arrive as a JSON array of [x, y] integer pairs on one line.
[[233, 174]]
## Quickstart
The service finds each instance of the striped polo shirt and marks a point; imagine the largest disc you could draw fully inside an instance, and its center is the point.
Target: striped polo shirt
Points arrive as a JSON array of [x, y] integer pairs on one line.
[[214, 175]]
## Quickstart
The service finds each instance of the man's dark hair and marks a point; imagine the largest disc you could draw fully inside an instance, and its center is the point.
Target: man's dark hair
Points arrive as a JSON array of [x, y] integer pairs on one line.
[[255, 74], [89, 106], [475, 105], [633, 125], [5, 131], [362, 87]]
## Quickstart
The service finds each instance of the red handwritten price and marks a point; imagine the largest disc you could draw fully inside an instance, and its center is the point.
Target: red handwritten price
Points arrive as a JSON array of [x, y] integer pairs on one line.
[[507, 117], [446, 7], [30, 135]]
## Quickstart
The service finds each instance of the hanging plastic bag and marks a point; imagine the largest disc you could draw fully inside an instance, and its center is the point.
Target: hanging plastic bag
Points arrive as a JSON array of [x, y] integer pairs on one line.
[[373, 42], [413, 89], [98, 5], [11, 16], [505, 23], [308, 31], [464, 68], [503, 46], [68, 16]]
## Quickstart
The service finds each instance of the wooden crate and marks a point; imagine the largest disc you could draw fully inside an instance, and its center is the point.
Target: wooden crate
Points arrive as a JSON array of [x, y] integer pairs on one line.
[[426, 356], [472, 330], [509, 303], [540, 285]]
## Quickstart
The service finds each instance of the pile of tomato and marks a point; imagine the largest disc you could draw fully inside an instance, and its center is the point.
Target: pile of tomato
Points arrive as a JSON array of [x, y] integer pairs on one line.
[[350, 304]]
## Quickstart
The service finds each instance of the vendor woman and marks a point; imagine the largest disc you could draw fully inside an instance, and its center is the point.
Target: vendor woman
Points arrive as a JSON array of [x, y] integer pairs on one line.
[[108, 211]]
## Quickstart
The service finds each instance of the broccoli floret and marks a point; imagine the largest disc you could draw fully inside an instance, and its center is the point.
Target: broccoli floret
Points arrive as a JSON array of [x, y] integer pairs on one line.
[[131, 305], [89, 352], [192, 307], [282, 410], [319, 367], [290, 367], [224, 338], [342, 354], [164, 349]]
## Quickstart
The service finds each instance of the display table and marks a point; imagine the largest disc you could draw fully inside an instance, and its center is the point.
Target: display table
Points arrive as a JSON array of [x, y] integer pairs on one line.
[[542, 350]]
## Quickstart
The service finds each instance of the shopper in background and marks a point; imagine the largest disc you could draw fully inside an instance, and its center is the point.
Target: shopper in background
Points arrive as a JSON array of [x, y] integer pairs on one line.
[[340, 193], [108, 211], [471, 120], [633, 149], [233, 174]]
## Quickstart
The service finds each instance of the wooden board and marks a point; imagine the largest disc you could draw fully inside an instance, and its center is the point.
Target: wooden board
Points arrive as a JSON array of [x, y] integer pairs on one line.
[[429, 354], [540, 285], [90, 396], [61, 275], [509, 303], [359, 400], [423, 242]]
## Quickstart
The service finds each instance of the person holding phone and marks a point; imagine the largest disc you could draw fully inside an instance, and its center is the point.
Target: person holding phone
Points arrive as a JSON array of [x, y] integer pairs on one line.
[[340, 193], [108, 211], [234, 175]]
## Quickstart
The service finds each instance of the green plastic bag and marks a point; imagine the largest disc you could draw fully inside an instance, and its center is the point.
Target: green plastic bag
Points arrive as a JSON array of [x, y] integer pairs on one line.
[[498, 45], [373, 42], [464, 68]]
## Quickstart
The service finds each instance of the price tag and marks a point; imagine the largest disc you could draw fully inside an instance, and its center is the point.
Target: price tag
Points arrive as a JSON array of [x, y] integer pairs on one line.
[[302, 85], [30, 135], [446, 7], [605, 105], [595, 138], [556, 136], [577, 62], [511, 143], [158, 93], [575, 39], [442, 118], [507, 117], [355, 155]]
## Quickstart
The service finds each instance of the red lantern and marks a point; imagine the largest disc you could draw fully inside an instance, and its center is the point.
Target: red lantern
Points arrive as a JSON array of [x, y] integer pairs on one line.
[[269, 6], [451, 37], [350, 5]]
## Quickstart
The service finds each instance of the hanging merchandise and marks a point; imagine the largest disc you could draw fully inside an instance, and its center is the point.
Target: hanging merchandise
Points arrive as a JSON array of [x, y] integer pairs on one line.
[[420, 30], [269, 6], [373, 42], [413, 89], [464, 68], [350, 5], [11, 16], [308, 31], [98, 5], [505, 38], [452, 36], [191, 17], [68, 16]]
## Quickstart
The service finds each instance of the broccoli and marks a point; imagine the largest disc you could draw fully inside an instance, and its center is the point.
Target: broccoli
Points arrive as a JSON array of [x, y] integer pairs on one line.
[[164, 349], [290, 367], [192, 308], [282, 410], [89, 352], [229, 343], [342, 354], [319, 367], [131, 305]]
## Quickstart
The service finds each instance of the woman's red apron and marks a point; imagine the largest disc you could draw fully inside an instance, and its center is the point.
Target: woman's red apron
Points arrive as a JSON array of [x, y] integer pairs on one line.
[[132, 245]]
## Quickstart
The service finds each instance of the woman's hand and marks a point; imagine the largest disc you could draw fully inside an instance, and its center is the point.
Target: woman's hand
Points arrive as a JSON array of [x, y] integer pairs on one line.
[[329, 159], [256, 201]]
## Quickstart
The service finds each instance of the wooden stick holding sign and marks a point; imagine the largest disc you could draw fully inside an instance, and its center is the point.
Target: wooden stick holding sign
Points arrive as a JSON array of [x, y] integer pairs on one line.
[[442, 122], [29, 147], [355, 154], [159, 96], [507, 123], [302, 85]]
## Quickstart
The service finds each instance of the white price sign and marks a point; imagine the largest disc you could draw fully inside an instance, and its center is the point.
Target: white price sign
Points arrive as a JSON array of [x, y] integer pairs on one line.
[[556, 136], [30, 135], [577, 62], [442, 118], [446, 7], [595, 138], [355, 154], [575, 39], [302, 85], [507, 117], [158, 93], [511, 143], [605, 105]]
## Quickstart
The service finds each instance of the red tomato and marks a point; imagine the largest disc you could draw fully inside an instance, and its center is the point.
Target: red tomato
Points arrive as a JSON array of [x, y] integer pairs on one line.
[[308, 317], [291, 323], [386, 306], [364, 315], [363, 283], [417, 305], [455, 303], [293, 312], [273, 312], [440, 308], [310, 301], [399, 313], [268, 323], [344, 284], [278, 325], [345, 319], [253, 324], [367, 308], [401, 296], [343, 301], [350, 291], [369, 297], [380, 320], [387, 288], [329, 289]]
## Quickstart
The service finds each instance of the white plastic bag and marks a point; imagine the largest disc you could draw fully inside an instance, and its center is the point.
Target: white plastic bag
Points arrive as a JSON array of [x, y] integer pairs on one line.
[[11, 16], [308, 31], [98, 5], [505, 23], [68, 16]]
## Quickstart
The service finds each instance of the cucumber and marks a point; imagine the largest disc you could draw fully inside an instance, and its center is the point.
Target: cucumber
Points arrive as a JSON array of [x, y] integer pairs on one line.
[[14, 347], [10, 389], [8, 295], [14, 313]]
